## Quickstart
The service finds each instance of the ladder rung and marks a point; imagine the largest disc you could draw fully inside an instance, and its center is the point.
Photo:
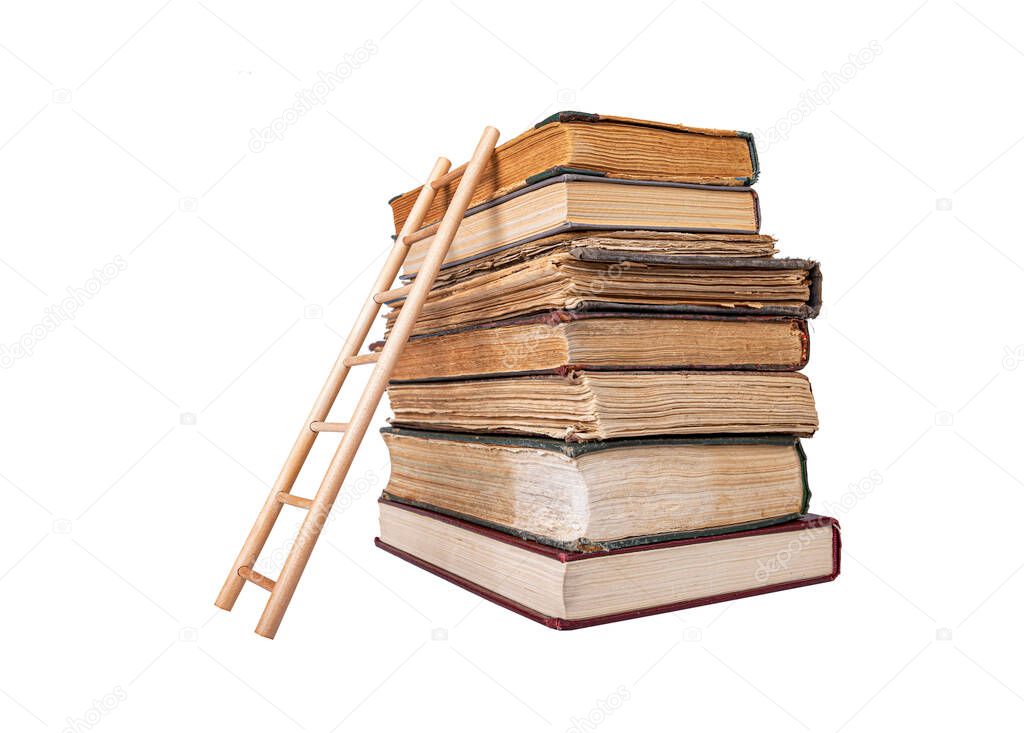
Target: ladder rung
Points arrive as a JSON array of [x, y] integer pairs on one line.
[[328, 427], [292, 500], [253, 577], [386, 295], [362, 359], [441, 181], [421, 234]]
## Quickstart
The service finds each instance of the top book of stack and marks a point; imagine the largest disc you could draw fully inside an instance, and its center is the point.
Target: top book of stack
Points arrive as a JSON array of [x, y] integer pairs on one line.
[[589, 172]]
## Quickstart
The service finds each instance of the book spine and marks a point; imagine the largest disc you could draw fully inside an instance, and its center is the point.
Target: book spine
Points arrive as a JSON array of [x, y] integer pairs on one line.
[[806, 502], [755, 163]]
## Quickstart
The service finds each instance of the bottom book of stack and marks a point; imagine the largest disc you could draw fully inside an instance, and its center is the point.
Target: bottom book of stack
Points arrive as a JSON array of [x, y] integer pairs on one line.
[[568, 590], [574, 535]]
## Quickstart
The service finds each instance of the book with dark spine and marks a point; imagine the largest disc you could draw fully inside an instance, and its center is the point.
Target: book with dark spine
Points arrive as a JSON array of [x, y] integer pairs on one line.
[[584, 405], [584, 279], [559, 342], [605, 494]]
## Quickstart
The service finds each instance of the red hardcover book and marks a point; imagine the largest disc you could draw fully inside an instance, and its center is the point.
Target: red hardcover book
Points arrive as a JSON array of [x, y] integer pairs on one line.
[[568, 590]]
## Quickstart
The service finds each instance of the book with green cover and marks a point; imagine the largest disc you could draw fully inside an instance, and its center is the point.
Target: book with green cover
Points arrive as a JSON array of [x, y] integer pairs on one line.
[[607, 494]]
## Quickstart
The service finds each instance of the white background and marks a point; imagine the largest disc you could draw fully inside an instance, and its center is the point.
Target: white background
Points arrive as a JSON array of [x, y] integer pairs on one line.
[[125, 132]]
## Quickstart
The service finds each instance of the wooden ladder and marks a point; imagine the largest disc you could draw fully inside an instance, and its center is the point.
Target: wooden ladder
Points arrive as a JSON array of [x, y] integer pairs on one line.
[[318, 508]]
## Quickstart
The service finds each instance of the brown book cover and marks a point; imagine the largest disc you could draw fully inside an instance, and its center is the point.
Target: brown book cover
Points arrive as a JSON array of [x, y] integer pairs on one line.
[[605, 405], [748, 246], [513, 346], [795, 527], [575, 202], [809, 309], [603, 145], [591, 279]]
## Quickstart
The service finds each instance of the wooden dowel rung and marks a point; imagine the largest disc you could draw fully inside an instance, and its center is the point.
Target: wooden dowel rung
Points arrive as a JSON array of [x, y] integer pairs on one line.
[[395, 294], [362, 359], [421, 234], [328, 427], [441, 181], [253, 577], [292, 500]]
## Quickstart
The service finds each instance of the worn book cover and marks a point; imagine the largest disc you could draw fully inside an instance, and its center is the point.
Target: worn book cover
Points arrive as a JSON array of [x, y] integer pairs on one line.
[[561, 341], [604, 494], [584, 279], [603, 145], [603, 405], [573, 202], [568, 590]]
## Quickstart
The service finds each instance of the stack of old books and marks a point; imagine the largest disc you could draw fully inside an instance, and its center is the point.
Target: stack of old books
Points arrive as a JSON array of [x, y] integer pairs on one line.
[[599, 414]]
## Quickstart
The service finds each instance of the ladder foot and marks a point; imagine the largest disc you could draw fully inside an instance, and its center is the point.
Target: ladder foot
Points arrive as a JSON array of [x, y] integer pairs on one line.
[[267, 628]]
